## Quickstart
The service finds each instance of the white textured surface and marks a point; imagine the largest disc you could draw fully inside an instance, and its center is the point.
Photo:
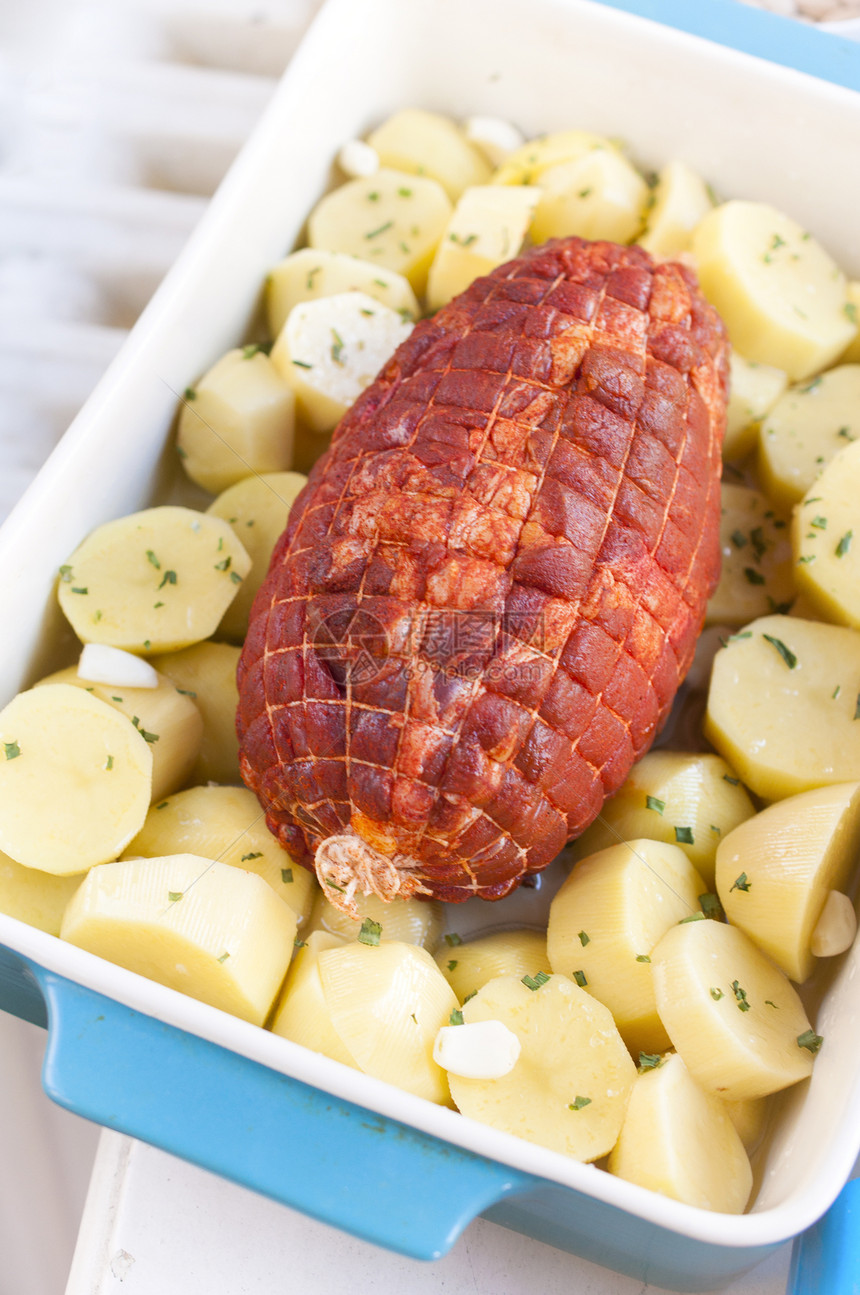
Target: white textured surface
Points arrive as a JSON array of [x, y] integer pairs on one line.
[[156, 1226]]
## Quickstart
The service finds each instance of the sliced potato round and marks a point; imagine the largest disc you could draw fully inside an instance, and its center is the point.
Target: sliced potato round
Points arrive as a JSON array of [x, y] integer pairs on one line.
[[329, 350], [238, 419], [680, 1141], [411, 921], [166, 719], [387, 1002], [781, 296], [37, 898], [606, 919], [754, 389], [805, 429], [468, 967], [257, 509], [213, 932], [302, 1014], [691, 801], [426, 143], [781, 705], [207, 674], [822, 531], [757, 569], [569, 1088], [313, 272], [730, 1013], [227, 824], [392, 219], [776, 871], [526, 164], [599, 195], [681, 199], [152, 581], [75, 779], [486, 229]]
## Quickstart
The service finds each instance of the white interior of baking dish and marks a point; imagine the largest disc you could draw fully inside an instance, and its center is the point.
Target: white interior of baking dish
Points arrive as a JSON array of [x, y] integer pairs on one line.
[[752, 129]]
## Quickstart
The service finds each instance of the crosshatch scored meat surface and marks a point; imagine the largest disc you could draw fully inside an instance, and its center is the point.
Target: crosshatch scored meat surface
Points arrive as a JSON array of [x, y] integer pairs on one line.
[[491, 587]]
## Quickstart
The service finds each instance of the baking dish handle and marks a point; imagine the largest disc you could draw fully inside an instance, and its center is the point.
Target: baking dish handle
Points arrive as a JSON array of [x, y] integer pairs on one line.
[[362, 1172]]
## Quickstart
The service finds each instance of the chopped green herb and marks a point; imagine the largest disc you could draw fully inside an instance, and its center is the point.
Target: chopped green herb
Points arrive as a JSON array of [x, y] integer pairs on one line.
[[754, 577], [169, 578], [810, 1040], [836, 691], [309, 283], [744, 634], [579, 977], [157, 605], [187, 692], [844, 544], [694, 917], [374, 233], [684, 836], [759, 543], [734, 782], [717, 831], [286, 875], [850, 310], [404, 193], [776, 242], [235, 577], [66, 575], [768, 1002], [452, 964], [786, 653], [302, 364], [174, 896], [299, 943], [857, 707], [12, 750], [456, 1017], [813, 385], [642, 957], [163, 805], [362, 311], [373, 196], [370, 931], [189, 394], [716, 993], [380, 283], [224, 956], [147, 737], [740, 883], [334, 885], [452, 938], [578, 1103], [738, 539], [740, 996], [651, 802], [248, 352], [711, 906], [464, 240], [337, 347], [404, 248], [820, 523], [109, 763], [469, 997], [804, 560], [583, 193], [255, 854], [584, 938], [224, 564], [649, 1060], [80, 591], [535, 982]]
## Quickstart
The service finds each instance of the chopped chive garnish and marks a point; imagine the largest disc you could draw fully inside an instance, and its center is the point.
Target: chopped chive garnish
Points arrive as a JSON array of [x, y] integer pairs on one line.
[[337, 347], [711, 906], [836, 691], [286, 875], [578, 1103], [651, 802], [716, 993], [452, 938], [844, 544], [12, 750], [820, 523], [734, 782], [857, 707], [754, 577], [684, 836], [169, 578], [845, 433], [740, 883], [248, 352], [452, 964], [584, 938], [255, 854], [740, 996], [579, 977], [456, 1017], [299, 943], [694, 917], [535, 982], [810, 1040], [189, 394], [768, 1002], [374, 233], [66, 575], [109, 762], [301, 364], [174, 896], [370, 931], [642, 957], [186, 692], [80, 591], [153, 559], [738, 539], [224, 564], [649, 1060], [224, 956], [235, 577], [786, 653], [469, 997]]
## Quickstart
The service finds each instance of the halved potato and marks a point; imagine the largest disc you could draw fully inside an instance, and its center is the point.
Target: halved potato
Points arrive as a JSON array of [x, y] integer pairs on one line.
[[207, 674], [313, 272], [75, 779], [776, 871], [599, 195], [236, 420], [681, 199], [753, 391], [213, 932], [805, 429], [757, 570], [153, 581], [782, 702], [302, 1014], [426, 143], [37, 898], [486, 229], [570, 1087], [467, 967], [782, 297], [822, 531]]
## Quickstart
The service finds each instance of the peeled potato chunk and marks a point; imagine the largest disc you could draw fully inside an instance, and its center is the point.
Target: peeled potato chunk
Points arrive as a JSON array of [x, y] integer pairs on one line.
[[227, 824], [426, 143], [851, 355], [468, 967], [37, 898], [749, 1117], [781, 705], [213, 932], [207, 674], [822, 531], [387, 1002], [75, 779], [329, 350], [166, 719], [411, 921], [257, 508], [302, 1014], [681, 199], [680, 1141], [599, 195], [152, 581], [691, 801], [757, 570], [526, 164], [731, 1014], [313, 272], [238, 419], [754, 390], [776, 871], [392, 219], [805, 429], [569, 1088], [606, 919], [486, 229], [781, 296]]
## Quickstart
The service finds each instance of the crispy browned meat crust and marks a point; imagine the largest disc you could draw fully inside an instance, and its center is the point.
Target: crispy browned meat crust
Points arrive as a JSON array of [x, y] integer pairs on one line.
[[491, 587]]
